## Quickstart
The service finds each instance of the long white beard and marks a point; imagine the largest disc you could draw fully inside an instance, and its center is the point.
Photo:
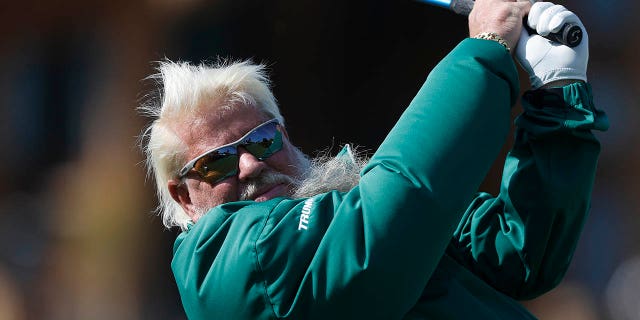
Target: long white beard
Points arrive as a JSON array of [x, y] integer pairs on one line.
[[327, 173], [318, 175]]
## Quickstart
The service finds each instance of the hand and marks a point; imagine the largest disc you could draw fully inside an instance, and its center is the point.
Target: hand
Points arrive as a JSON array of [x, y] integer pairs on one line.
[[544, 60], [503, 17]]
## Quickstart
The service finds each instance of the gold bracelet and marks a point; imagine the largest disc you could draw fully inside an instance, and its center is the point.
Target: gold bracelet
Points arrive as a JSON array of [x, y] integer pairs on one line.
[[494, 37]]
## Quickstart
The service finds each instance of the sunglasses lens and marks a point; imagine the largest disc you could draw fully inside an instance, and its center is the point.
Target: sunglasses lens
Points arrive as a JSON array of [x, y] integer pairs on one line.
[[218, 164], [222, 163], [264, 142]]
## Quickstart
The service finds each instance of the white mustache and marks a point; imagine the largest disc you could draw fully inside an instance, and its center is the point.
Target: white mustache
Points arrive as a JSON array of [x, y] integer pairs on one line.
[[265, 180]]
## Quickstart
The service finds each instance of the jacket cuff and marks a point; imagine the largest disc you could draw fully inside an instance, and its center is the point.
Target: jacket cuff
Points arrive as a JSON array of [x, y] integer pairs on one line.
[[561, 109]]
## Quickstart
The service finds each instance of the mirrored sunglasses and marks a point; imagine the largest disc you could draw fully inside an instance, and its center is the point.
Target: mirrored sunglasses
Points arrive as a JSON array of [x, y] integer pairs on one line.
[[222, 162]]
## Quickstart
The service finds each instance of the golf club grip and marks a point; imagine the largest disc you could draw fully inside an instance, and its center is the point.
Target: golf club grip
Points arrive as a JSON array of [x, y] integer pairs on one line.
[[570, 34]]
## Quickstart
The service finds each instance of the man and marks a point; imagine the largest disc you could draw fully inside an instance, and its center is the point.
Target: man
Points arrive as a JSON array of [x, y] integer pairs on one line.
[[394, 241]]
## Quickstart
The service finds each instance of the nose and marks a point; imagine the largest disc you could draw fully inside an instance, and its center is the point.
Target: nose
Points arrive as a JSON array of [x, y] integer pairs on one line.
[[248, 165]]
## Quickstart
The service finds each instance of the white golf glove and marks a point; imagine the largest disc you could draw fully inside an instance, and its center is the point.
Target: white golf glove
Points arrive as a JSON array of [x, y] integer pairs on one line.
[[545, 60]]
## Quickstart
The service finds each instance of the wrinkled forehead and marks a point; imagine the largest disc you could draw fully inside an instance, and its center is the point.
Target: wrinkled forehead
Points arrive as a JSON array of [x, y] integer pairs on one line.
[[208, 130]]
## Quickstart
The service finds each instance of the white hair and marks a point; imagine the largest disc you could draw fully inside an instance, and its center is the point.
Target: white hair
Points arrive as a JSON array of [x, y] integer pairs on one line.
[[326, 173], [185, 91]]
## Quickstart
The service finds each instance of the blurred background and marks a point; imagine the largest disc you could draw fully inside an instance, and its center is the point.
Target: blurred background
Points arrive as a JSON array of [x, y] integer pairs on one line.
[[78, 238]]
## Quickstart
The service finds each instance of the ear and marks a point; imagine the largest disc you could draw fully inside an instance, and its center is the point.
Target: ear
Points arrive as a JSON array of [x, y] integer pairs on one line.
[[180, 194]]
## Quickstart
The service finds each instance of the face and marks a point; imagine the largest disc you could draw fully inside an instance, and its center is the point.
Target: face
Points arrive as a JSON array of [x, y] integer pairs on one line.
[[256, 180]]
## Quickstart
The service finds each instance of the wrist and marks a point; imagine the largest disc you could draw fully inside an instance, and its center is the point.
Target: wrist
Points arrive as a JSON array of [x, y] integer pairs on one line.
[[493, 37], [560, 83], [555, 76]]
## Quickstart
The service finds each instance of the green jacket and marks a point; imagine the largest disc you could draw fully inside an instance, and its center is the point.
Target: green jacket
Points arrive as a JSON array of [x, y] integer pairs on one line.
[[384, 250]]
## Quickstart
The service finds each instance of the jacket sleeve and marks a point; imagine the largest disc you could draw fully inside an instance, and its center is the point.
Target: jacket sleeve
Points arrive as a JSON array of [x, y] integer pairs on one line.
[[385, 237], [522, 241], [367, 253]]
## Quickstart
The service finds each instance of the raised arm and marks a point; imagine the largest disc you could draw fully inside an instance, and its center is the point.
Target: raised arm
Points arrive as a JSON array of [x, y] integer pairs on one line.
[[522, 241]]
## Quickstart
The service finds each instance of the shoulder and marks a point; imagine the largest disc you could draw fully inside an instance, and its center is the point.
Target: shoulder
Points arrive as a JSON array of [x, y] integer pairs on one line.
[[249, 219], [229, 217], [219, 263]]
